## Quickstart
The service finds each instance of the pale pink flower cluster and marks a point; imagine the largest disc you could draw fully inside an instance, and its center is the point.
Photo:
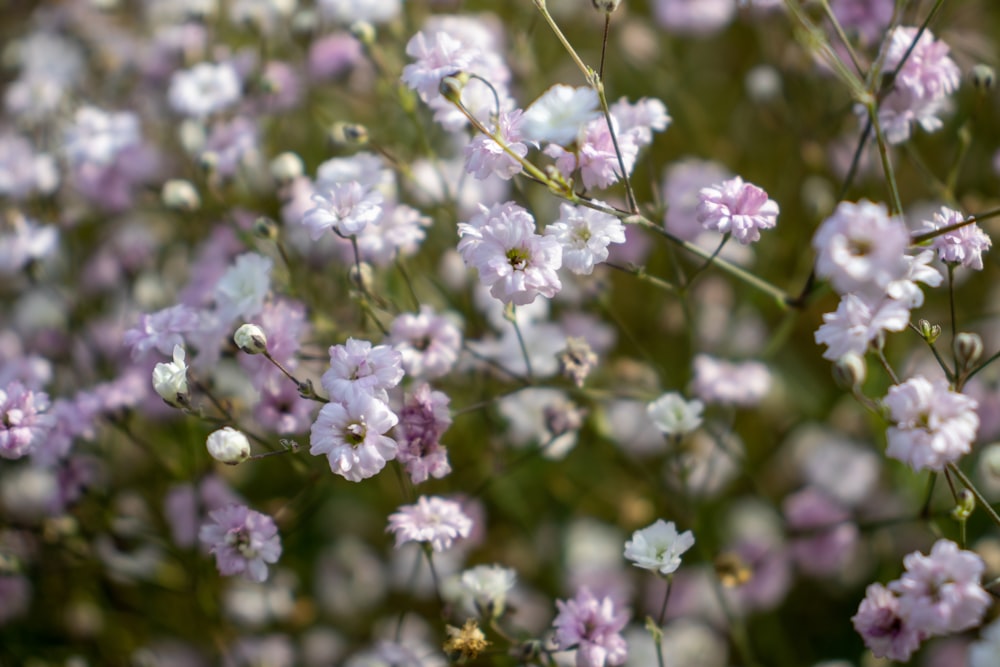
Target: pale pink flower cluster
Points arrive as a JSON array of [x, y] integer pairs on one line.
[[593, 627], [484, 157], [963, 246], [594, 153], [350, 430], [585, 235], [730, 383], [434, 520], [922, 86], [737, 208], [428, 343], [862, 251], [516, 263], [933, 425], [939, 594]]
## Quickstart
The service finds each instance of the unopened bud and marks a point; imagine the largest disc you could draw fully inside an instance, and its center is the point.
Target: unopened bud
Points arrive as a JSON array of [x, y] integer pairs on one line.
[[983, 78], [286, 167], [606, 6], [305, 23], [265, 228], [229, 446], [180, 195], [451, 87], [965, 506], [362, 275], [208, 161], [929, 331], [364, 32], [968, 349], [251, 339], [170, 379], [850, 371], [349, 134]]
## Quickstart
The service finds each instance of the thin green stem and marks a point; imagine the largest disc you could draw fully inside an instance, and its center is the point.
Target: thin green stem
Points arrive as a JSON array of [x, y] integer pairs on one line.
[[598, 85], [883, 151], [951, 306], [917, 239], [540, 4], [640, 273], [880, 353], [839, 29], [524, 347]]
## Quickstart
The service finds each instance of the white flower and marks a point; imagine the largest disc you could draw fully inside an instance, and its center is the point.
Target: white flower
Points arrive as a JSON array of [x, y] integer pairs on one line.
[[228, 446], [251, 339], [675, 416], [204, 89], [346, 208], [170, 379], [97, 136], [857, 322], [557, 115], [242, 289], [585, 235], [658, 547], [485, 588]]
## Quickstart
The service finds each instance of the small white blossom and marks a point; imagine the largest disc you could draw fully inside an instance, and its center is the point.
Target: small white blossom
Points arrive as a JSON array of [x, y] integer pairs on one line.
[[228, 446], [170, 379], [658, 547], [675, 416], [585, 235], [251, 339], [557, 115]]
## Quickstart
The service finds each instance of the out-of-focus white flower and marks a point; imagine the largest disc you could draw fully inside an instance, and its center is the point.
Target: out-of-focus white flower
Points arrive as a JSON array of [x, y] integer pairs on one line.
[[228, 446], [675, 416], [170, 379], [557, 115]]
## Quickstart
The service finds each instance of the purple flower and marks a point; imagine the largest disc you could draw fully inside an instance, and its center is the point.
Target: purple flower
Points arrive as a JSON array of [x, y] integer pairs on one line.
[[231, 144], [428, 343], [964, 245], [22, 422], [484, 157], [351, 434], [883, 630], [513, 261], [357, 368], [422, 421], [185, 507], [934, 426], [434, 520], [243, 541], [737, 208], [827, 537], [730, 383], [940, 593], [857, 322], [593, 627], [346, 208], [861, 249]]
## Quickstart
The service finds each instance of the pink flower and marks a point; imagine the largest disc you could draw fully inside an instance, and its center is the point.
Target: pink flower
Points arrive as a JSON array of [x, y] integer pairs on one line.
[[346, 208], [593, 627], [934, 426], [827, 537], [585, 235], [427, 342], [356, 367], [484, 157], [730, 383], [880, 625], [243, 541], [351, 434], [964, 245], [436, 56], [434, 520], [422, 421], [694, 17], [857, 322], [23, 422], [861, 249], [737, 208], [513, 261], [940, 593]]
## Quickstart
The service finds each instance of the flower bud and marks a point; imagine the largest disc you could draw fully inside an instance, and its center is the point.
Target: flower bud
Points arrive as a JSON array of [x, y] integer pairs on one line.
[[349, 134], [451, 87], [251, 339], [606, 6], [286, 167], [170, 379], [965, 506], [228, 446], [929, 331], [968, 349], [180, 195], [983, 78], [265, 228], [364, 32], [850, 371]]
